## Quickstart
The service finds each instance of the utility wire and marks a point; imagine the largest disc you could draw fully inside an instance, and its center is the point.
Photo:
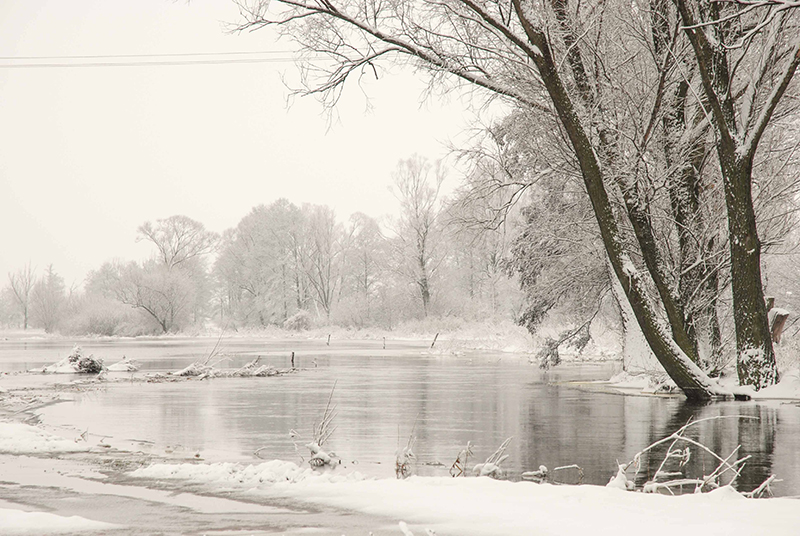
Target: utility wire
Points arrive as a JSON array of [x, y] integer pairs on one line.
[[274, 56], [162, 55], [142, 63]]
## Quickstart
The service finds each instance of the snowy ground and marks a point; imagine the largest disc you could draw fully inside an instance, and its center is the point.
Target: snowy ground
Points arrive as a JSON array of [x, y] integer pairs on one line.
[[13, 521], [787, 389], [462, 506], [482, 506]]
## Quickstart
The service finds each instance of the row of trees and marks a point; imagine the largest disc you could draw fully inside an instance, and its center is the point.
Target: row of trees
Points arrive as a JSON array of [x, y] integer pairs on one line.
[[650, 104], [287, 265]]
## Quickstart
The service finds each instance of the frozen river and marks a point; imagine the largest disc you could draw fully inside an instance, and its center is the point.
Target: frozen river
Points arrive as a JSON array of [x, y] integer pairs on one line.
[[555, 418]]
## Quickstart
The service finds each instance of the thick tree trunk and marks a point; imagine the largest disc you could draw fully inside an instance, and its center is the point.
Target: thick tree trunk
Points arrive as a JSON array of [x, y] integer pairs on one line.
[[684, 192], [756, 360]]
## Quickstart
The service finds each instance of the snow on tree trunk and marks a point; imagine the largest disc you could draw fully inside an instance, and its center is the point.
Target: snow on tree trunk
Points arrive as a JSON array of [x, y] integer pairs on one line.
[[756, 364], [681, 369], [636, 353]]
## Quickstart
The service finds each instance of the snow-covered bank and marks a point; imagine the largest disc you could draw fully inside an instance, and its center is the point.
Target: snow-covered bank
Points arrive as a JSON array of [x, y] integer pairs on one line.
[[18, 438], [788, 388], [482, 506], [14, 522]]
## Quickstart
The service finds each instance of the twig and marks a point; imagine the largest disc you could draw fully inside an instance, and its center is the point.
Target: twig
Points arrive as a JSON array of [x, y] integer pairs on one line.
[[759, 491]]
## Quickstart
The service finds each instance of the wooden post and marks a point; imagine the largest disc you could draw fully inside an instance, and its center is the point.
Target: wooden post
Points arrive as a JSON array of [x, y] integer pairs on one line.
[[434, 340], [292, 359], [329, 340]]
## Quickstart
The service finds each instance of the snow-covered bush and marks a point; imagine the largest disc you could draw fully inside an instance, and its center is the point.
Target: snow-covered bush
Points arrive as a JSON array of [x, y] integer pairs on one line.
[[300, 321], [78, 362]]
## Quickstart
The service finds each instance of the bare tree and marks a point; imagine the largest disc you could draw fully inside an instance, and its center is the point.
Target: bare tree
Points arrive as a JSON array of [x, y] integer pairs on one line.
[[21, 283], [323, 258], [418, 184], [178, 239], [364, 263], [260, 264], [163, 295], [746, 60], [48, 300]]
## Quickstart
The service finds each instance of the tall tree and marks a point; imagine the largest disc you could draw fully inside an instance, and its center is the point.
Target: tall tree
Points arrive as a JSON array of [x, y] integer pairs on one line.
[[363, 266], [746, 59], [183, 245], [48, 300], [21, 283], [323, 259], [417, 185], [261, 264]]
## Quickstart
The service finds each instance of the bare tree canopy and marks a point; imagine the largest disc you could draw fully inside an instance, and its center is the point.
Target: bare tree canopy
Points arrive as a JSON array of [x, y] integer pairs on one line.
[[178, 239]]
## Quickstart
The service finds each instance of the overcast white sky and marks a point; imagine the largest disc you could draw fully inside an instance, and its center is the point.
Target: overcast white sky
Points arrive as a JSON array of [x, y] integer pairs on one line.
[[87, 154]]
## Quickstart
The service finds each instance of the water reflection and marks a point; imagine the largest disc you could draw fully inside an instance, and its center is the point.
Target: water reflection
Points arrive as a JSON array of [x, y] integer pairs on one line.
[[382, 394]]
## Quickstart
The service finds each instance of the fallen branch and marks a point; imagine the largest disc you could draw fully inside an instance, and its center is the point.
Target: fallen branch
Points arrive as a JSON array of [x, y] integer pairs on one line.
[[706, 483]]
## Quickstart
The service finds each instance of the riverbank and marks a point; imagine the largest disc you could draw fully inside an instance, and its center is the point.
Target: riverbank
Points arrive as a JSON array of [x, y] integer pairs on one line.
[[49, 484]]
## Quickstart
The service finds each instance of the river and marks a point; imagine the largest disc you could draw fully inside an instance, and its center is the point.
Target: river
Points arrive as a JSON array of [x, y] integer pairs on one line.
[[556, 418]]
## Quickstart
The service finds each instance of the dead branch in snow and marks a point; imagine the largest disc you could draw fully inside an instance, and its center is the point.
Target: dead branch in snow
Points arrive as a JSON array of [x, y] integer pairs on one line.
[[668, 481], [491, 467], [763, 489], [322, 432], [459, 467], [404, 463]]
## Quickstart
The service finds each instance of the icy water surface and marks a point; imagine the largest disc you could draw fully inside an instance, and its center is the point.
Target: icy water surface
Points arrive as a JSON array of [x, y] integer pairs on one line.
[[382, 394]]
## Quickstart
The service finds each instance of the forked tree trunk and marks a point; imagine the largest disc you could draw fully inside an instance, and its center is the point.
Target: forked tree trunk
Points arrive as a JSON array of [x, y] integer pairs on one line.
[[686, 374], [736, 150]]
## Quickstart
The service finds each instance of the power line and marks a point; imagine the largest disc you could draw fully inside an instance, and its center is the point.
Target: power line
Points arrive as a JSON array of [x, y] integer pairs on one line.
[[162, 55], [143, 63]]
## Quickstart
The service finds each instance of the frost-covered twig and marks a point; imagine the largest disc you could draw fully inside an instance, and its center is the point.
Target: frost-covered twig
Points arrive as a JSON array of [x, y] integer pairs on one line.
[[491, 467], [404, 462], [762, 489], [323, 431], [683, 456], [459, 467]]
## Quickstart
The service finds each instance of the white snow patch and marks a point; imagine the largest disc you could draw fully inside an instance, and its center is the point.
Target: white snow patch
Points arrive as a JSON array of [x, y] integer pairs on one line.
[[19, 522], [272, 472], [626, 380], [787, 388], [18, 438], [125, 365], [628, 267], [483, 506]]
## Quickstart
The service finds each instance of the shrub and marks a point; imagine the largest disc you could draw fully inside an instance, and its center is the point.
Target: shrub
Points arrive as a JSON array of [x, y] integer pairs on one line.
[[300, 321]]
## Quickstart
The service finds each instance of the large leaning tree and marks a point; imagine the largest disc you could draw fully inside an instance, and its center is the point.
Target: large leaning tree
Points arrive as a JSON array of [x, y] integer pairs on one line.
[[556, 58]]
